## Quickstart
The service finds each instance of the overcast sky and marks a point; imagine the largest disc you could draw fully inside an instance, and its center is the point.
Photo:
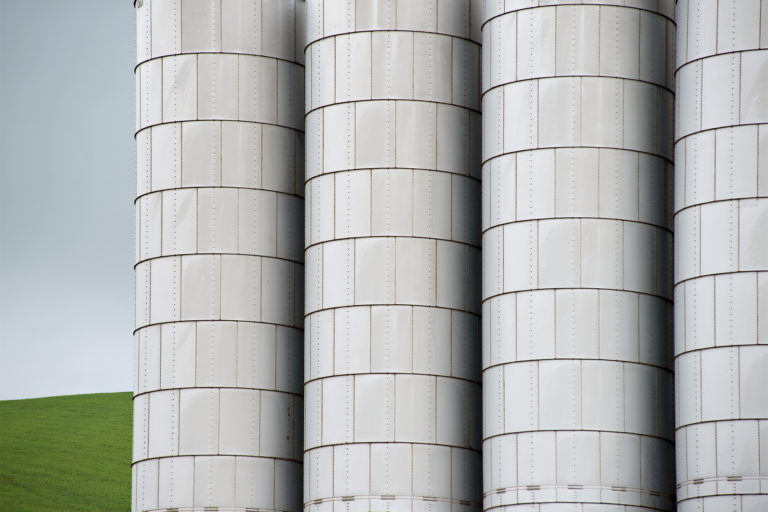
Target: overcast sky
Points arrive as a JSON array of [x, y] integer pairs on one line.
[[66, 196]]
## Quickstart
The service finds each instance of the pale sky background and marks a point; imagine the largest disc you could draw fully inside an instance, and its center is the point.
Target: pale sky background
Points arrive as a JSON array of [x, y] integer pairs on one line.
[[66, 196]]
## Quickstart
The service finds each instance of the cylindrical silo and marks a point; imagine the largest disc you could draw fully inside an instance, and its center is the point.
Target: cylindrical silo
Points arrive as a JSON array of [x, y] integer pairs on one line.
[[577, 251], [393, 256], [721, 283], [219, 278]]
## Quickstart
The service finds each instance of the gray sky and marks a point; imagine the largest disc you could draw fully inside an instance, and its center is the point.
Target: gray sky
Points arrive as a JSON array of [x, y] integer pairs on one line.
[[66, 196]]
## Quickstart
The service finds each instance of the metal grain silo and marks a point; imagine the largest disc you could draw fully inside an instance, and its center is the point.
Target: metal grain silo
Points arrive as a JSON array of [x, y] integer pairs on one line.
[[219, 277], [393, 259], [721, 284], [577, 251]]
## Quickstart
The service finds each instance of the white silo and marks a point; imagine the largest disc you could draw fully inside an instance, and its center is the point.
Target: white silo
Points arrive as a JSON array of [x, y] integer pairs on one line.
[[577, 249], [392, 417], [219, 277], [721, 230]]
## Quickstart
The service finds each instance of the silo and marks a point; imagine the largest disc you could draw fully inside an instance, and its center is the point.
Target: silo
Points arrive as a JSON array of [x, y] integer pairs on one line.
[[721, 284], [392, 415], [577, 250], [219, 277]]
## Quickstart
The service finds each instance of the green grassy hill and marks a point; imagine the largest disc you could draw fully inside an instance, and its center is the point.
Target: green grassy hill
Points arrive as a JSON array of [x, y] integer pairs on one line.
[[66, 453]]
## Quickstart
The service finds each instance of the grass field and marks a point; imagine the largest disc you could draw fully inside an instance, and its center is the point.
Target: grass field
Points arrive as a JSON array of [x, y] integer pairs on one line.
[[66, 453]]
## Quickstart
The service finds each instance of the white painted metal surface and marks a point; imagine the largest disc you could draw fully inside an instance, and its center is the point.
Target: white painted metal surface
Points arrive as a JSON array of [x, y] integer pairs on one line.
[[721, 283], [393, 258], [576, 223], [577, 251], [219, 278]]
